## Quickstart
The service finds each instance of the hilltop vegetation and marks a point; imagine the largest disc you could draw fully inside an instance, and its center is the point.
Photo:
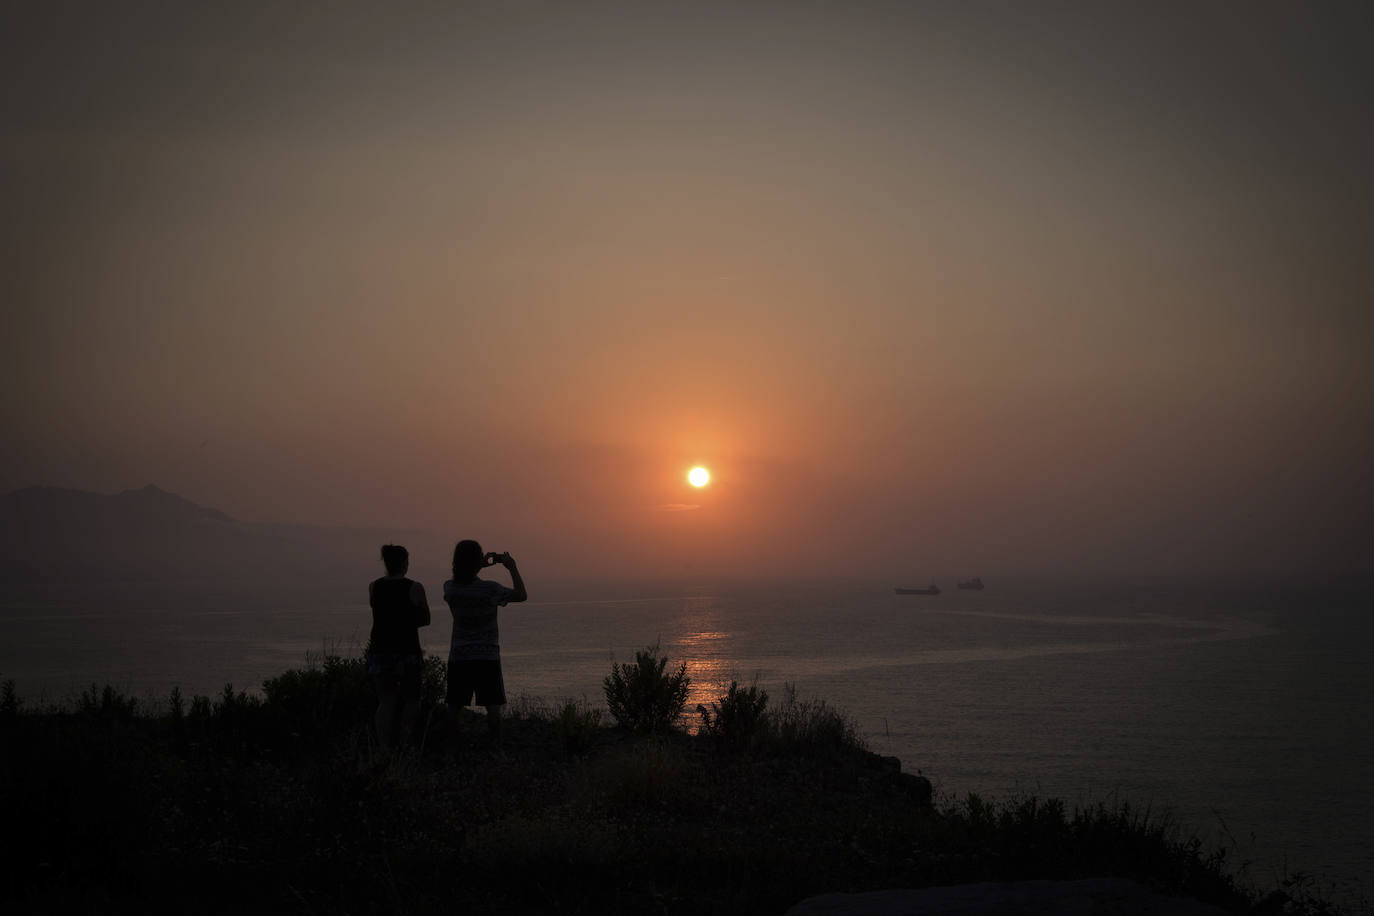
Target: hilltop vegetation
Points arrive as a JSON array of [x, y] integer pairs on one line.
[[284, 802]]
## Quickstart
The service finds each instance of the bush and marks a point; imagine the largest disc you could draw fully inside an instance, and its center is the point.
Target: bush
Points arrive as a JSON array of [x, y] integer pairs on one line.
[[328, 696], [9, 700], [643, 776], [433, 682], [176, 705], [108, 703], [810, 726], [739, 718], [576, 727], [234, 707], [644, 697]]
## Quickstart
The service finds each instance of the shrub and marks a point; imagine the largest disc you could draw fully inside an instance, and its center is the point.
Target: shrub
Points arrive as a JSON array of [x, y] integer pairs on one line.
[[811, 726], [237, 718], [433, 681], [200, 708], [233, 706], [9, 700], [531, 709], [562, 850], [739, 718], [176, 706], [643, 775], [645, 697], [576, 727], [108, 703], [325, 697]]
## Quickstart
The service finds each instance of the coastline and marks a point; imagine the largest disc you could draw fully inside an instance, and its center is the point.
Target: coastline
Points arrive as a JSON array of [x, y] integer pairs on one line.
[[286, 803]]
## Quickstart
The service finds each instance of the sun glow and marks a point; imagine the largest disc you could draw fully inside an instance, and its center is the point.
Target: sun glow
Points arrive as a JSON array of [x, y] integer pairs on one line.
[[698, 477]]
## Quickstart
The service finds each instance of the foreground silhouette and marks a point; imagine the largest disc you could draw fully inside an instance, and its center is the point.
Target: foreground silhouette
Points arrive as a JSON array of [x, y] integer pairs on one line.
[[399, 609], [263, 804], [474, 657]]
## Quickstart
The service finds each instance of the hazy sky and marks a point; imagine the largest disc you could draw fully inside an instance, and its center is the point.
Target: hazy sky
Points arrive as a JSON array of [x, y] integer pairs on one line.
[[931, 288]]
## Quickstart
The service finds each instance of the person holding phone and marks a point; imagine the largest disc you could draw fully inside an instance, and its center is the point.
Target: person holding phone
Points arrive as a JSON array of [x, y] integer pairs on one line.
[[474, 659]]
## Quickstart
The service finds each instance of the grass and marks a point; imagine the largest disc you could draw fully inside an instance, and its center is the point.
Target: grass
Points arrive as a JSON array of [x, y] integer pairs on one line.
[[285, 802]]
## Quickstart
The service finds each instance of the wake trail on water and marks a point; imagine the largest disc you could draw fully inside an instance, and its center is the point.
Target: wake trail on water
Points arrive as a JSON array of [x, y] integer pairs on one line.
[[1228, 623], [1222, 629]]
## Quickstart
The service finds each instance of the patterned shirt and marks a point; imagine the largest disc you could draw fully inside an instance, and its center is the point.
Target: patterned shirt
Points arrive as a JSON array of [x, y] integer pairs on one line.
[[474, 604]]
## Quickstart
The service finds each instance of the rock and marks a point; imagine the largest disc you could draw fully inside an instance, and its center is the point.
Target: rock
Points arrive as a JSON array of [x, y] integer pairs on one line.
[[1117, 896], [915, 786], [918, 787]]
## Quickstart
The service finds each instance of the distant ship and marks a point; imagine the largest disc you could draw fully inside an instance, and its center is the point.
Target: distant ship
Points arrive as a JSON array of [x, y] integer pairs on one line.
[[932, 590], [975, 583]]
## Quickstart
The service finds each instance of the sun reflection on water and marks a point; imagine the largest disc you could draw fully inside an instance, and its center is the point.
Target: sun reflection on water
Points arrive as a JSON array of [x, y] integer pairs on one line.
[[710, 651]]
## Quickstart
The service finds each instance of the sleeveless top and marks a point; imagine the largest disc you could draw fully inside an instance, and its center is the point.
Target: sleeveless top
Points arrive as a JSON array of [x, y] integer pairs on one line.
[[394, 617]]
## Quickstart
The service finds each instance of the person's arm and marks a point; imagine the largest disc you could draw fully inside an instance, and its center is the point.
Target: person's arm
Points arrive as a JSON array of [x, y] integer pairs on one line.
[[519, 584], [417, 598]]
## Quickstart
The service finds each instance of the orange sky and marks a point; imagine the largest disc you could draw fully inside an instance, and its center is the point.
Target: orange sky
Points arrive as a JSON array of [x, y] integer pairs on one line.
[[928, 291]]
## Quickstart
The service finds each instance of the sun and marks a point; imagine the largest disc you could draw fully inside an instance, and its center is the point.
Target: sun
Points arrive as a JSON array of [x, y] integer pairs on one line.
[[698, 477]]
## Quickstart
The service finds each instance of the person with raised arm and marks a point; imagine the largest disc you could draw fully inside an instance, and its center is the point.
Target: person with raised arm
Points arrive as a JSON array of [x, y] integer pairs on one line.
[[474, 659]]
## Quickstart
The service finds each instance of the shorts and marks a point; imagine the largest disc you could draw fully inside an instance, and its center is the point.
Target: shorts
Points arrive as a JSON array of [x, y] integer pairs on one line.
[[396, 670], [481, 677]]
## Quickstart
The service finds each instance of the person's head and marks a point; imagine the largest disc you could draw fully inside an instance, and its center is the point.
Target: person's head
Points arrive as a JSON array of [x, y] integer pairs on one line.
[[396, 558], [467, 560]]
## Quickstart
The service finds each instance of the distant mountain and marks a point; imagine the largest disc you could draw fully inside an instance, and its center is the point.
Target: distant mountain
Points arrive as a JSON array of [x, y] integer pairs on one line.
[[53, 534], [151, 505]]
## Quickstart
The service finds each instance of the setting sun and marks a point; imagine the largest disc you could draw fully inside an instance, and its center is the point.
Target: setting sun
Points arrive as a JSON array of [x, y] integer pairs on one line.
[[698, 477]]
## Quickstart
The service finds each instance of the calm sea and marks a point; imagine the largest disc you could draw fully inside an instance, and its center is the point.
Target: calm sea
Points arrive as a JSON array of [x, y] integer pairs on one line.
[[1242, 709]]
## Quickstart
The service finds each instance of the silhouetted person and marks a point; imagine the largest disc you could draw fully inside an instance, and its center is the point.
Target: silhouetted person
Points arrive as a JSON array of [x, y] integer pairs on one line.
[[399, 609], [474, 656]]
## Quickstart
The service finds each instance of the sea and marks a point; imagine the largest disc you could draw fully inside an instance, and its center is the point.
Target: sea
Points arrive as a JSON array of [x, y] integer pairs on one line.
[[1238, 708]]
